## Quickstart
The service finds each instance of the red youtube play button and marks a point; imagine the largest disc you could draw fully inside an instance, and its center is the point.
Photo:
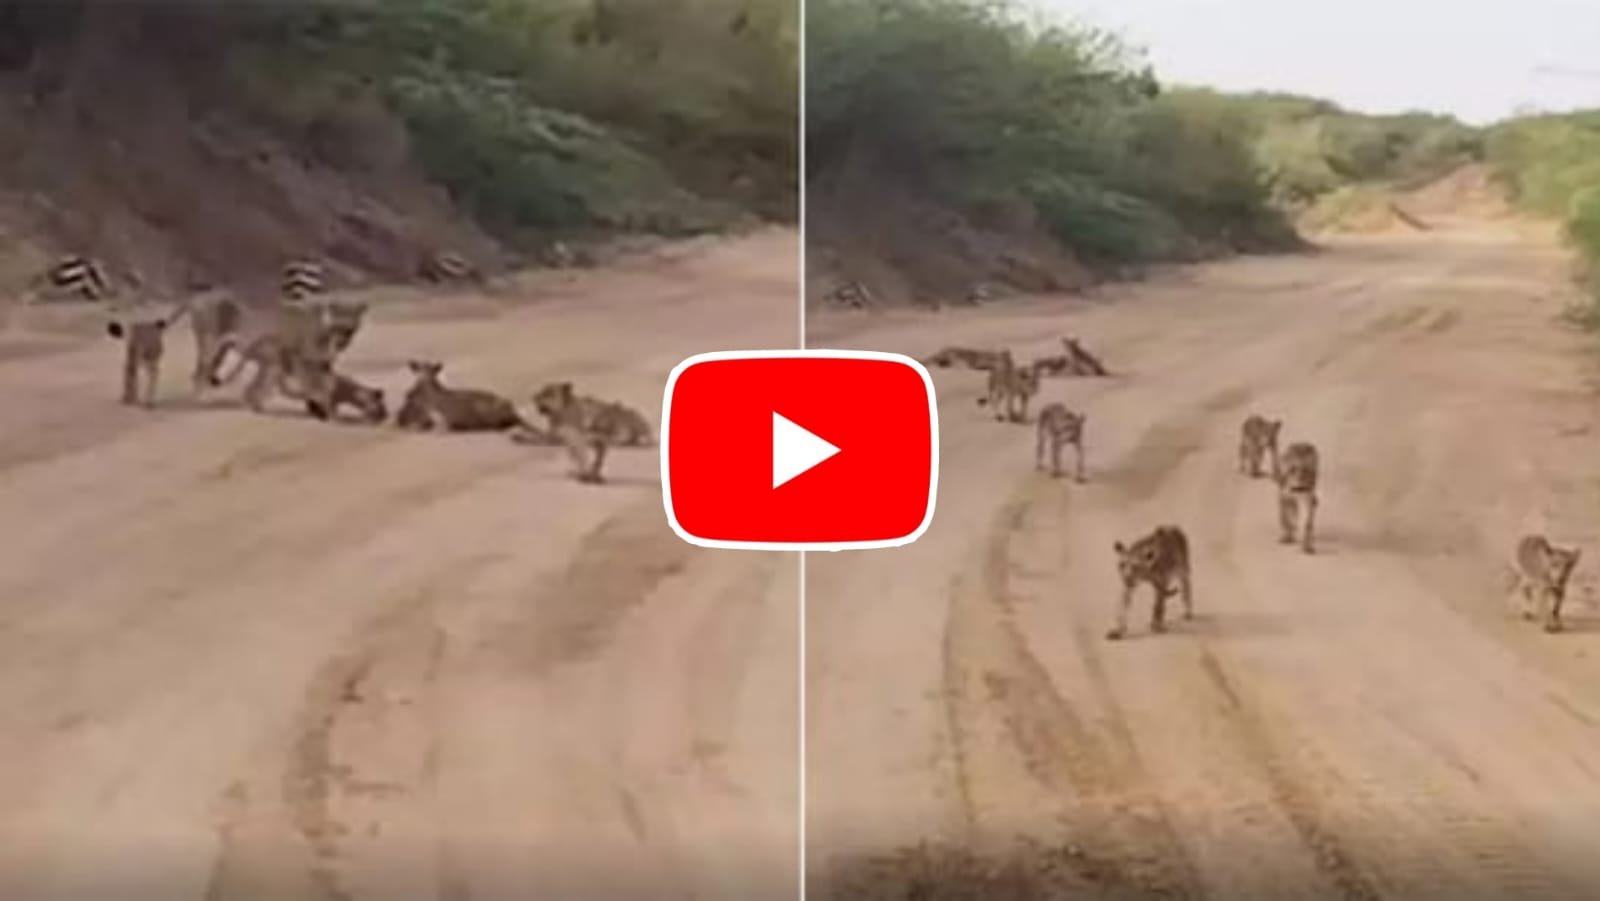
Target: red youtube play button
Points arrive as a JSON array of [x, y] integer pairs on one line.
[[799, 450]]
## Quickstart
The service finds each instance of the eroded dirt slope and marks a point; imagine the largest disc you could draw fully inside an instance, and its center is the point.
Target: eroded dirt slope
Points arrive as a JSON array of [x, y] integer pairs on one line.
[[1364, 723], [260, 657]]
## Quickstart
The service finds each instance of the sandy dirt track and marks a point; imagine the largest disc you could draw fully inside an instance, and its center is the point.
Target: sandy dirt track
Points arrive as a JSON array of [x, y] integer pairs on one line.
[[250, 657], [1364, 723]]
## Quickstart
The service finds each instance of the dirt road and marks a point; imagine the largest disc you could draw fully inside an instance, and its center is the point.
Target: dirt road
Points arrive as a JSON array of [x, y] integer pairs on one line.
[[249, 657], [1364, 723]]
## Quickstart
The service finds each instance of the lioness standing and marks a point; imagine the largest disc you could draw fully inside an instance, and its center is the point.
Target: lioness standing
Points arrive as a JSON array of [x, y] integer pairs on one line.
[[1161, 559], [291, 330]]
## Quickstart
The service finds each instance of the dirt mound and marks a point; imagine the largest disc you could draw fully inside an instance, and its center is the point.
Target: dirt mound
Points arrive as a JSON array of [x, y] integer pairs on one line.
[[1359, 209], [1468, 192]]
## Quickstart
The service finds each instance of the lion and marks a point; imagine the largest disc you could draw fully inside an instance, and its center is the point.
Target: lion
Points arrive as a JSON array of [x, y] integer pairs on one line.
[[144, 344], [626, 427], [587, 427], [970, 357], [345, 391], [303, 329], [1083, 362], [430, 405], [1161, 559], [1543, 571], [1010, 388], [293, 354], [1297, 494], [1059, 427], [1258, 437], [1050, 366]]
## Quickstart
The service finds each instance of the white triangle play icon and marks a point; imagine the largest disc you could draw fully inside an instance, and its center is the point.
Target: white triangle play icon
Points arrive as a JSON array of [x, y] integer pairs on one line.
[[795, 450]]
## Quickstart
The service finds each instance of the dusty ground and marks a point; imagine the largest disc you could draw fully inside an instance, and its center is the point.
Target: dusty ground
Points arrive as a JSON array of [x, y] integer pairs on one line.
[[1364, 723], [248, 657]]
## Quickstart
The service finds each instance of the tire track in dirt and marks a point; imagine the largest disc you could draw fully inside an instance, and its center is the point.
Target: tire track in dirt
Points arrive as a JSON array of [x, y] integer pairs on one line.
[[1161, 452], [1246, 727], [333, 800], [315, 536], [1331, 857], [1017, 735], [1163, 446], [1423, 525], [615, 568], [1430, 826], [299, 814], [1100, 739]]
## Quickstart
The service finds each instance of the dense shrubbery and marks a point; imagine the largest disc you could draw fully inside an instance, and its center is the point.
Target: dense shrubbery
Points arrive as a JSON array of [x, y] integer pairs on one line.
[[548, 114], [1306, 148], [1551, 164], [967, 99], [965, 103]]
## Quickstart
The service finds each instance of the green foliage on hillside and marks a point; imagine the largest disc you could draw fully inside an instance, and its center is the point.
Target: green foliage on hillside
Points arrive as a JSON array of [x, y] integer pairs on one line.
[[966, 103], [1306, 148], [1551, 165], [542, 114], [555, 115]]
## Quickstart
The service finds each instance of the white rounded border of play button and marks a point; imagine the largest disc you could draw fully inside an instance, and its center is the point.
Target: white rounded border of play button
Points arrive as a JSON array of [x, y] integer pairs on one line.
[[789, 354]]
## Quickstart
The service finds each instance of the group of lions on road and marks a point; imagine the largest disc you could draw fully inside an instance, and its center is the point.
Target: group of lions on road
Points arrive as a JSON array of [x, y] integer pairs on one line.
[[1541, 569], [1013, 385], [1161, 558], [293, 345]]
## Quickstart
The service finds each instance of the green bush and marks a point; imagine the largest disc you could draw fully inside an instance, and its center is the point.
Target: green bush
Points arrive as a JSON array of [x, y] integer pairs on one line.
[[953, 100], [1103, 225], [525, 166], [1551, 165], [1306, 148], [553, 113]]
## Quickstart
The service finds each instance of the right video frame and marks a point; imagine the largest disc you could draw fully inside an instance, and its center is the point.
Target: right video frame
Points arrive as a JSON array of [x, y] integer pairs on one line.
[[1264, 342]]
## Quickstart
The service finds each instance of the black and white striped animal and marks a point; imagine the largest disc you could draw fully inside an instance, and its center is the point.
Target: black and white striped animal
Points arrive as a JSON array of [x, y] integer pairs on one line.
[[303, 278]]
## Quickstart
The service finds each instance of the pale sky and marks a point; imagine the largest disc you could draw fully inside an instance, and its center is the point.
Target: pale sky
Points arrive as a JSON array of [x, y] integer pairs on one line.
[[1473, 58]]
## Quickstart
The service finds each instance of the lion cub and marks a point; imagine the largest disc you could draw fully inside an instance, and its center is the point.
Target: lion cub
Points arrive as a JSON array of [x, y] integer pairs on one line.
[[1258, 437], [1058, 427], [970, 357], [344, 391], [1297, 494], [1161, 559], [144, 343], [1542, 574], [1010, 388], [1082, 362], [587, 427], [429, 405]]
